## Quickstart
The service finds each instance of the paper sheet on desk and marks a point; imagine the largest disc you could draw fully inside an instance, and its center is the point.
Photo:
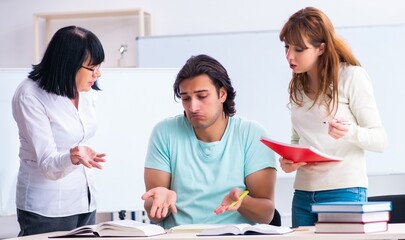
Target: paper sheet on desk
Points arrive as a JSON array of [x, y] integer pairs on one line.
[[193, 227]]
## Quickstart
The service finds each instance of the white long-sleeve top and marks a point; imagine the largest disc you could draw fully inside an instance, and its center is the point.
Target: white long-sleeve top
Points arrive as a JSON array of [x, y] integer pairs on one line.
[[49, 125], [357, 104]]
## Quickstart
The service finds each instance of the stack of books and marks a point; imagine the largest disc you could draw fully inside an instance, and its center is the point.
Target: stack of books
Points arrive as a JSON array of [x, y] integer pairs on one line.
[[352, 217]]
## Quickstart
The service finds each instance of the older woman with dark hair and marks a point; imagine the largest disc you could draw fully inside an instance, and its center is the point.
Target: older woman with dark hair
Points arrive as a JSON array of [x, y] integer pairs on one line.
[[55, 114]]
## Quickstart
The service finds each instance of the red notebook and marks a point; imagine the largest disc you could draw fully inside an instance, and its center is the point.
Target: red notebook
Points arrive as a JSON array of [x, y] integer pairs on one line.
[[298, 153]]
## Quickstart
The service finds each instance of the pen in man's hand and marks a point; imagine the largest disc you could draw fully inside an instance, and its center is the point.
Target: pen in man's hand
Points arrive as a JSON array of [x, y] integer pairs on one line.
[[243, 194]]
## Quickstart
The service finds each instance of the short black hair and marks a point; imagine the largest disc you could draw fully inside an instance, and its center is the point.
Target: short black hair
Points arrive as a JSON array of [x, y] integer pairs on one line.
[[203, 64], [66, 52]]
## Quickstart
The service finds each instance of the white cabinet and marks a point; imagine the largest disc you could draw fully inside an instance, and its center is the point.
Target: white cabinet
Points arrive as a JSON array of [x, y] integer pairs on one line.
[[114, 28]]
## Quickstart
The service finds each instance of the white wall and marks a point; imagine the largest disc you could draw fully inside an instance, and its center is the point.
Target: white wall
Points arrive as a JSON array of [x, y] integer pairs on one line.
[[187, 17], [255, 59], [177, 17]]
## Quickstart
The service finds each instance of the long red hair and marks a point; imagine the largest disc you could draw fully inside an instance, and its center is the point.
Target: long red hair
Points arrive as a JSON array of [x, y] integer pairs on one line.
[[313, 24]]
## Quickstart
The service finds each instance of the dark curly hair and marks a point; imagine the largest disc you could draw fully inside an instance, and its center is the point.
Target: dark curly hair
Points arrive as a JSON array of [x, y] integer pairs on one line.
[[203, 64]]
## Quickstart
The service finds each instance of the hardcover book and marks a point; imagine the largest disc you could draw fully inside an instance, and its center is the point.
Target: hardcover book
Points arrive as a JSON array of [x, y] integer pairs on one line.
[[298, 153], [353, 216], [351, 206], [323, 227]]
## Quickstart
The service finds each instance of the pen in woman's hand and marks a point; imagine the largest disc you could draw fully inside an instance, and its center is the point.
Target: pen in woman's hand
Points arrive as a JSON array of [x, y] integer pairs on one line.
[[343, 123]]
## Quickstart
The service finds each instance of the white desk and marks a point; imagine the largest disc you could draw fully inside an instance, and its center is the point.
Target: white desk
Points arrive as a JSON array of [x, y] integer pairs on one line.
[[395, 231]]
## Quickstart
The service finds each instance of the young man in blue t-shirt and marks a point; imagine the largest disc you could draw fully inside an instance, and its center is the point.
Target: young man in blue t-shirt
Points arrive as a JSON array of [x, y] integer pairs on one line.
[[199, 162]]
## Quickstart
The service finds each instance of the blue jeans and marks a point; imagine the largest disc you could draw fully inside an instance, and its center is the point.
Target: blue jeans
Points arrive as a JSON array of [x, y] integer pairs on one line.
[[302, 200], [32, 223]]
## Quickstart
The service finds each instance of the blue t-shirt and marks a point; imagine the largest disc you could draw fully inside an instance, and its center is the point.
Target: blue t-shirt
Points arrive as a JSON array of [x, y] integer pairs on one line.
[[203, 173]]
